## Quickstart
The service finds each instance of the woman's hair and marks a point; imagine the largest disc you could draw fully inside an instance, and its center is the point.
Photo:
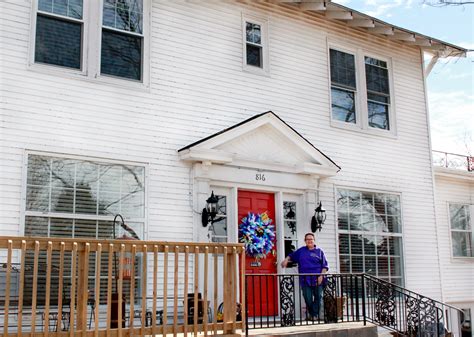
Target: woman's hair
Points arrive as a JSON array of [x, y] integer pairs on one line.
[[309, 234]]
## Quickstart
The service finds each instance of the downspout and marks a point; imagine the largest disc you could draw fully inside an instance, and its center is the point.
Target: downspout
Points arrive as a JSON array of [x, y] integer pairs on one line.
[[426, 71]]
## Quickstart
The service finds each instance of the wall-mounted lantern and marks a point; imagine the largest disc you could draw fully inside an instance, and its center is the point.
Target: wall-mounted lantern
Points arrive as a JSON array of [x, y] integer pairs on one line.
[[210, 211], [318, 218]]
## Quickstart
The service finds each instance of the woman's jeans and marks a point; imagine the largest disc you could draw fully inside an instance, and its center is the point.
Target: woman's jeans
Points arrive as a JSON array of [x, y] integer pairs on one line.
[[313, 296]]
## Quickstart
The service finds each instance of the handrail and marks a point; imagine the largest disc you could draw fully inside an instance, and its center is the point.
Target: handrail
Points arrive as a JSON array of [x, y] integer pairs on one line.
[[410, 291], [453, 160], [357, 297]]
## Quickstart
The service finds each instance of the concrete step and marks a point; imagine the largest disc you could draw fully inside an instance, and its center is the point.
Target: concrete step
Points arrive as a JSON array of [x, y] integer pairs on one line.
[[353, 329]]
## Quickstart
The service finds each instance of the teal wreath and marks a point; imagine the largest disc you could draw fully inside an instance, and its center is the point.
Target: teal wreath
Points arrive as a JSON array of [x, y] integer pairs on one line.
[[258, 234]]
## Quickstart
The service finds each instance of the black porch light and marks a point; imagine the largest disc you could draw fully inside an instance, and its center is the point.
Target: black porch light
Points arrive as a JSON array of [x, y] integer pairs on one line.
[[210, 211], [318, 218]]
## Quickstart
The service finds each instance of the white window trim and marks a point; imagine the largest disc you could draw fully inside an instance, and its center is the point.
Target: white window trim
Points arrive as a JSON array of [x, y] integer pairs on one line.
[[334, 122], [24, 213], [265, 69], [91, 49], [471, 211], [362, 113], [401, 235]]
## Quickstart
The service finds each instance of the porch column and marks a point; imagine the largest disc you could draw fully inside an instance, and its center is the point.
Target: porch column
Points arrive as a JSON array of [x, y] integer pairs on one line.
[[202, 193]]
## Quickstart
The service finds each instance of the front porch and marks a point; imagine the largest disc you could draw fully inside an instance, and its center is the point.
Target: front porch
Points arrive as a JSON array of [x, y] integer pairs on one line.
[[90, 287]]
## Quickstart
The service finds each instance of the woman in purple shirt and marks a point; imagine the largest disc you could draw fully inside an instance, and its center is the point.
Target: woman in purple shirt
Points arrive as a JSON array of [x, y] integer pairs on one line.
[[311, 260]]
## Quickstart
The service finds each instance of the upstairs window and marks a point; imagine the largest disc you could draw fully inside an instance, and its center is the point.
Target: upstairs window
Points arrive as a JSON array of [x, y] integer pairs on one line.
[[105, 40], [122, 39], [461, 230], [357, 103], [378, 94], [343, 86], [254, 46], [59, 33]]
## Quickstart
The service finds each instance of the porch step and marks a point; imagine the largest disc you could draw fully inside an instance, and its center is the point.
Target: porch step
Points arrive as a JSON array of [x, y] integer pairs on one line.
[[353, 329]]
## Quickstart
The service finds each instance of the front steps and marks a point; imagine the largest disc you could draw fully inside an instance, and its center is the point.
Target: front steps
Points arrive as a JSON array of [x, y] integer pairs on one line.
[[353, 329]]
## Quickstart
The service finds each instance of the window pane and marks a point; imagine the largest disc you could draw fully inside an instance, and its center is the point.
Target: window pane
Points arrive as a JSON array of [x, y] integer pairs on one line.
[[58, 42], [460, 217], [124, 15], [378, 115], [370, 265], [121, 55], [357, 264], [344, 244], [133, 205], [395, 246], [343, 105], [382, 266], [382, 245], [70, 8], [219, 228], [39, 170], [36, 226], [462, 244], [85, 228], [356, 244], [342, 68], [254, 55], [369, 244], [86, 201], [376, 78], [395, 266], [61, 228], [37, 198], [345, 262], [253, 33], [87, 175], [62, 200], [290, 247]]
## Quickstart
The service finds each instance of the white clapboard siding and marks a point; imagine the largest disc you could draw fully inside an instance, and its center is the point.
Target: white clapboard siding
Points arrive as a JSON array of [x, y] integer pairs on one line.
[[197, 88], [458, 273]]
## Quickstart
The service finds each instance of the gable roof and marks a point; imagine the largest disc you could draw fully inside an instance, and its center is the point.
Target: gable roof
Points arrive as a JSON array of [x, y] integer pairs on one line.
[[356, 19], [264, 140]]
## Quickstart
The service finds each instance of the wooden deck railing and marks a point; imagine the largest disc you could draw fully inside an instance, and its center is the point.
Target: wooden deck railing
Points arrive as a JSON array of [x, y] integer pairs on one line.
[[70, 287]]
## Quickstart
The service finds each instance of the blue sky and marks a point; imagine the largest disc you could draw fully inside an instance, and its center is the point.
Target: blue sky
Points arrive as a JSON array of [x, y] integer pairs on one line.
[[451, 82]]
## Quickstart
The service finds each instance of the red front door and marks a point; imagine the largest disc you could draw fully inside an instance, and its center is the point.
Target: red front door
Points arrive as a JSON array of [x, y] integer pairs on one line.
[[261, 290]]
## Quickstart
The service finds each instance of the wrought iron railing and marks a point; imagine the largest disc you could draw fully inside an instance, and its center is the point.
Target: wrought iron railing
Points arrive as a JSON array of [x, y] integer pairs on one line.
[[453, 161], [276, 300]]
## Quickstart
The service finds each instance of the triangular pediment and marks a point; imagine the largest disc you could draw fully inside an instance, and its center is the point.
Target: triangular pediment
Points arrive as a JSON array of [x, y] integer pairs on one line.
[[263, 141]]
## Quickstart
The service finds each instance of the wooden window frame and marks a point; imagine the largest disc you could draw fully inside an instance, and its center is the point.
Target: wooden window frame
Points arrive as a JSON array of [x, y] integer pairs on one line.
[[264, 69], [361, 101], [91, 48], [470, 208]]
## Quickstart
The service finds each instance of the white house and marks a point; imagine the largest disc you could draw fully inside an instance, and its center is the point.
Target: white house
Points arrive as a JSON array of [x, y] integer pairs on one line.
[[144, 107]]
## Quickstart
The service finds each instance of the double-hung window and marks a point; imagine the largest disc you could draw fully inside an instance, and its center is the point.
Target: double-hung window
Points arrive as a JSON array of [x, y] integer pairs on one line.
[[461, 230], [59, 33], [365, 104], [378, 93], [343, 86], [100, 39], [255, 45], [78, 198], [122, 39]]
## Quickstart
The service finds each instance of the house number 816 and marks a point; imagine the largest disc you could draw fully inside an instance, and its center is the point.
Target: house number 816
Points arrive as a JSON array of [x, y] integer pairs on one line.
[[260, 177]]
